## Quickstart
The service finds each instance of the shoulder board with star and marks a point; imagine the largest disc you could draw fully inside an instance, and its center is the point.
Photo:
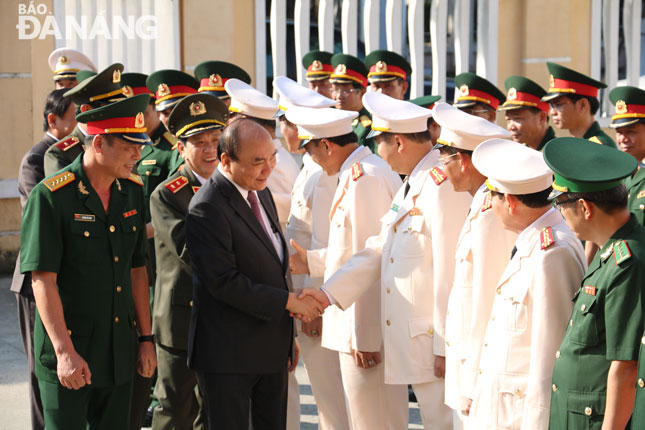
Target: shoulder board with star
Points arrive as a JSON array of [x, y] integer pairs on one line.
[[621, 252], [64, 145], [488, 202], [59, 181], [437, 175], [641, 194], [136, 179], [546, 238], [365, 121], [595, 139], [357, 171], [170, 138], [177, 184]]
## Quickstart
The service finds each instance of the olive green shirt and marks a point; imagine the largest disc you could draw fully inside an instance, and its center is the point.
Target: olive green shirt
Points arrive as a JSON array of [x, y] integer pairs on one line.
[[66, 231], [62, 153], [606, 325], [638, 416], [362, 127], [636, 188], [595, 134], [174, 284], [550, 134]]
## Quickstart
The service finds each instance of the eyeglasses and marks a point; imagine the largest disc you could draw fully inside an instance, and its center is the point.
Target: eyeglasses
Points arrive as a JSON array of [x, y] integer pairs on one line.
[[445, 160], [344, 91], [559, 106], [559, 203], [475, 111]]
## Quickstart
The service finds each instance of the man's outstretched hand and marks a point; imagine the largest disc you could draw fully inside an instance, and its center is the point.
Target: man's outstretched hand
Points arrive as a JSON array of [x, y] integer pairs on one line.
[[304, 307], [298, 261]]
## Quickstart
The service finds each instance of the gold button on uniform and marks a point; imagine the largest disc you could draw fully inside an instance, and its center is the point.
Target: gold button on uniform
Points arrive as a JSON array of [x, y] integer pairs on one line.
[[391, 260], [86, 234], [554, 388], [557, 354], [643, 340], [116, 259], [116, 319], [409, 228], [570, 323], [112, 229], [447, 343], [431, 332], [499, 291], [583, 307], [134, 228], [394, 229], [147, 172], [118, 288], [387, 322], [588, 411], [387, 290], [642, 206], [69, 332], [485, 344], [191, 303], [641, 383], [518, 392]]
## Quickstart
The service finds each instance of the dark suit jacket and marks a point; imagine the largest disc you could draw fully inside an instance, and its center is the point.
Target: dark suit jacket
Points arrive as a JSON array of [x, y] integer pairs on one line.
[[32, 171], [239, 323]]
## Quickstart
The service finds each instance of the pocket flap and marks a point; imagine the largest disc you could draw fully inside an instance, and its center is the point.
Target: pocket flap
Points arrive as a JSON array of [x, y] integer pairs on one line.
[[420, 326], [586, 403], [513, 384], [585, 302], [416, 223], [87, 229]]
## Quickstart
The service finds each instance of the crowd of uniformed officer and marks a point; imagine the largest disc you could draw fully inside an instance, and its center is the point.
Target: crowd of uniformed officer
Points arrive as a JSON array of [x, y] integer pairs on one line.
[[497, 272]]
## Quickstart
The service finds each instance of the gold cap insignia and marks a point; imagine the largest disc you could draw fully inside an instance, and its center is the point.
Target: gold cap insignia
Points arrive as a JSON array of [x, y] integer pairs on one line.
[[381, 66], [197, 108], [512, 94], [127, 91], [621, 107], [214, 80], [463, 90], [316, 66], [63, 59], [116, 76], [163, 90], [341, 69], [138, 121], [551, 81]]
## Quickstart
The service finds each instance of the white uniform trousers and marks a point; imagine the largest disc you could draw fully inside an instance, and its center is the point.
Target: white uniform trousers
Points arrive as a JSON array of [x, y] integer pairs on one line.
[[436, 415], [373, 404]]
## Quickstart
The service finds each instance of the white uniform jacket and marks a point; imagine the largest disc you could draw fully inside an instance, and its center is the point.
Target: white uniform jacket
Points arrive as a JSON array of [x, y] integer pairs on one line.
[[413, 256], [365, 190], [483, 251], [531, 310], [281, 181]]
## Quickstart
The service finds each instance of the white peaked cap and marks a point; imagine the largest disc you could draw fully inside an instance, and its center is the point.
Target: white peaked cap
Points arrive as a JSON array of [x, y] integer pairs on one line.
[[511, 167], [462, 130], [248, 101], [293, 94]]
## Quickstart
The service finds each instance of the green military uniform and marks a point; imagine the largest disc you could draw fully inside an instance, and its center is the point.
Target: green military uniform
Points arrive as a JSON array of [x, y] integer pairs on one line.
[[426, 101], [94, 90], [550, 134], [596, 135], [362, 127], [180, 403], [607, 320], [472, 89], [67, 231]]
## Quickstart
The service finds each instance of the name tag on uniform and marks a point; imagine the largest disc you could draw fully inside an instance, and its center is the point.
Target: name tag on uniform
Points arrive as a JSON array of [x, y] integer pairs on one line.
[[590, 290], [84, 217], [148, 162], [129, 213], [394, 208]]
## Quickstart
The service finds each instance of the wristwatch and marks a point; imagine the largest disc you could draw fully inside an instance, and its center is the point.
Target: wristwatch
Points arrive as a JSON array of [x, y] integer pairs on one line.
[[149, 338]]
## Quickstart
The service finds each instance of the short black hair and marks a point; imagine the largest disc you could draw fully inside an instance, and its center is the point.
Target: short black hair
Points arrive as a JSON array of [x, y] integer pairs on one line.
[[451, 150], [594, 103], [230, 141], [344, 139], [533, 200], [418, 137], [56, 104], [609, 201]]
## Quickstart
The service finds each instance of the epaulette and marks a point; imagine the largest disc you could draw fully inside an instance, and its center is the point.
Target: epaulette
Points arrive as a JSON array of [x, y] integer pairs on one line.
[[136, 179], [437, 175], [170, 138], [641, 194], [357, 171], [64, 145], [488, 202], [595, 139], [177, 184], [546, 238], [59, 181], [365, 121], [621, 252]]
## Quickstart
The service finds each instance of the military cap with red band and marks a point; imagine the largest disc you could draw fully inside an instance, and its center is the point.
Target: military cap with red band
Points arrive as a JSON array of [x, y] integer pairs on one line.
[[212, 75], [102, 88], [629, 103], [170, 86], [124, 119], [522, 93], [135, 84], [386, 66], [347, 70], [471, 89], [564, 81], [318, 65]]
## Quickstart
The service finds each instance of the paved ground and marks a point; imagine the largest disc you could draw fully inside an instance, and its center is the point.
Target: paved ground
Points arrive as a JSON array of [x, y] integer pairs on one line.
[[14, 406]]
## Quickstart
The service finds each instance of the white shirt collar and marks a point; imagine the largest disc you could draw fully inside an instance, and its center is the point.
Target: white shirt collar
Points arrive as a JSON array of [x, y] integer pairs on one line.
[[418, 167], [52, 136], [199, 178]]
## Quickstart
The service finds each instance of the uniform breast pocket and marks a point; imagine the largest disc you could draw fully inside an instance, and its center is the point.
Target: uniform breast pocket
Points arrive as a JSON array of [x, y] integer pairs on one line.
[[412, 238], [517, 310], [585, 411], [585, 327], [85, 238], [510, 403], [149, 170], [340, 233], [129, 228]]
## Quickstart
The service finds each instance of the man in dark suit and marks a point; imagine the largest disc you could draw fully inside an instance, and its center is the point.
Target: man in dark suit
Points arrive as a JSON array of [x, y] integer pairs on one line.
[[58, 122], [241, 341]]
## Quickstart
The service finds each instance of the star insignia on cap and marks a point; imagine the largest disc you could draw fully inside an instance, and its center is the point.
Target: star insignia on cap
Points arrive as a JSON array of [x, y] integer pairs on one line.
[[63, 59], [138, 120], [197, 108], [463, 90], [215, 80], [341, 69], [551, 81], [512, 94], [621, 107], [163, 90], [116, 76], [381, 66], [316, 65], [127, 91]]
